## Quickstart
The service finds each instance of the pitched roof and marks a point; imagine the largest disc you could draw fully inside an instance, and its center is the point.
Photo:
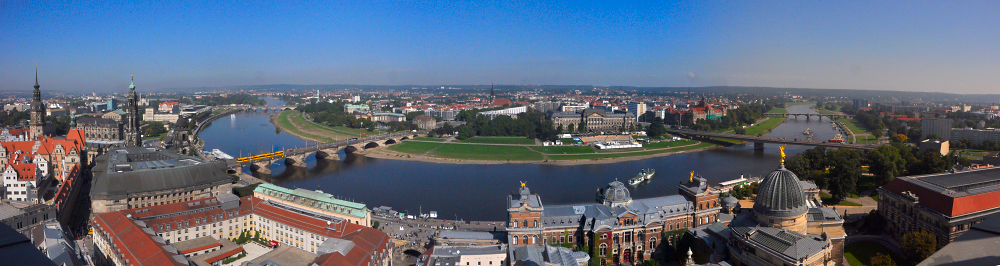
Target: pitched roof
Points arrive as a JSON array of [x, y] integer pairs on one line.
[[132, 243], [953, 194]]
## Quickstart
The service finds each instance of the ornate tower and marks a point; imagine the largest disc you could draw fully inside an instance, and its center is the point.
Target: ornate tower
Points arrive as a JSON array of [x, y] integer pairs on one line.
[[37, 126], [132, 137]]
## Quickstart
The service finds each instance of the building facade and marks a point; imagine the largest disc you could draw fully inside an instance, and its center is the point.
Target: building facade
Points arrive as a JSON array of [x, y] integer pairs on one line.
[[146, 236], [944, 204], [316, 201], [597, 120], [425, 122], [623, 230], [975, 136], [136, 177], [936, 126]]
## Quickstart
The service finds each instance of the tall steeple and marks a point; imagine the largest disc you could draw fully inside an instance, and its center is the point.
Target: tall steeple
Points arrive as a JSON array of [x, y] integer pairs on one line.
[[132, 137], [37, 125]]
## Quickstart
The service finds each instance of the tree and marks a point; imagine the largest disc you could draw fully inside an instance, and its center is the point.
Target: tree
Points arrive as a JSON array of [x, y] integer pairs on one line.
[[583, 126], [656, 129], [882, 260], [886, 163], [570, 128], [917, 246], [845, 169]]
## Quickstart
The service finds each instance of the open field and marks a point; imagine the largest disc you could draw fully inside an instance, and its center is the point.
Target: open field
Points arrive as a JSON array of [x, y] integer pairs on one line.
[[667, 144], [594, 156], [764, 127], [860, 253], [428, 139], [486, 152], [292, 122], [500, 140], [414, 147], [563, 149]]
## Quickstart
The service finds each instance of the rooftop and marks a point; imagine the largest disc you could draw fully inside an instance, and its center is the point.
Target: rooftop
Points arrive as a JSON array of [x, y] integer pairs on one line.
[[953, 194], [136, 170]]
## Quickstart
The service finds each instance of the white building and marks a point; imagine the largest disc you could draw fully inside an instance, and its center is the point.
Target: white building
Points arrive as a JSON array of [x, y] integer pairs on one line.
[[511, 112], [976, 136]]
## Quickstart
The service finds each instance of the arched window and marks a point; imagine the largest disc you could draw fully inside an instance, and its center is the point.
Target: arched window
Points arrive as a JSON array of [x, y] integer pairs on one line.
[[604, 249], [526, 240], [652, 242], [534, 223], [525, 223], [514, 239]]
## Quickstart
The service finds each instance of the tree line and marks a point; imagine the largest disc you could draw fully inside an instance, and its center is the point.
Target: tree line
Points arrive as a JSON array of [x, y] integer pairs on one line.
[[840, 170]]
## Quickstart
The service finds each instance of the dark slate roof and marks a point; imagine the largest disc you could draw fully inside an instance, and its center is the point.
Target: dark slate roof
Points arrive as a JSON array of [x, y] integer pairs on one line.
[[978, 246], [617, 192], [524, 196], [137, 170], [95, 121], [729, 201], [780, 195], [788, 243], [965, 180], [17, 249], [823, 214]]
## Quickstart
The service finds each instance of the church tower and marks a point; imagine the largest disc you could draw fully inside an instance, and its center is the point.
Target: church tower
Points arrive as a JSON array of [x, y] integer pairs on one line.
[[132, 136], [37, 126]]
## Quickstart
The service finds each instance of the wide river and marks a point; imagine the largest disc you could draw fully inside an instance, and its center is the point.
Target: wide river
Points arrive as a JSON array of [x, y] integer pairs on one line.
[[478, 192]]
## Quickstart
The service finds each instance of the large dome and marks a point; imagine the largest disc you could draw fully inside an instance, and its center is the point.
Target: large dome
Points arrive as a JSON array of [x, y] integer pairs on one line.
[[617, 193], [780, 195]]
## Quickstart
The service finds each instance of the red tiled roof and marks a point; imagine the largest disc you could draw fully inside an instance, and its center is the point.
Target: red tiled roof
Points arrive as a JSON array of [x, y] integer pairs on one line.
[[186, 251], [501, 102], [908, 119], [136, 246], [366, 240], [25, 171], [224, 255]]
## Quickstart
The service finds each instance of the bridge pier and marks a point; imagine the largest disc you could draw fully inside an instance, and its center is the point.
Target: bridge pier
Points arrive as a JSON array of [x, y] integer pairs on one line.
[[328, 154], [758, 146], [297, 160], [263, 167]]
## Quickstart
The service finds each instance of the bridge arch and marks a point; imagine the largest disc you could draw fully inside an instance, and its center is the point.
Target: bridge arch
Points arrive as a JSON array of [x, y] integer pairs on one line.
[[351, 149], [371, 145], [390, 141]]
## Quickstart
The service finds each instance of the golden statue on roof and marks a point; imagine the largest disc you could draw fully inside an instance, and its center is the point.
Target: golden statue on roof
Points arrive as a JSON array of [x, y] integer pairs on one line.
[[782, 149], [692, 177], [524, 183]]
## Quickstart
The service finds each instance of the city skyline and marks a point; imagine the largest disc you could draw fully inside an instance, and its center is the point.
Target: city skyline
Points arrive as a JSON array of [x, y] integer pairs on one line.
[[940, 47]]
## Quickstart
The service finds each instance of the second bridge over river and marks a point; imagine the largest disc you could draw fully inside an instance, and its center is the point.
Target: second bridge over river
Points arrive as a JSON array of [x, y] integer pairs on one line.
[[261, 163]]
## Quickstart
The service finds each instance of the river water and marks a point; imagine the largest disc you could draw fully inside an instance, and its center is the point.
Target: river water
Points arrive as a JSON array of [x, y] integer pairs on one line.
[[478, 192]]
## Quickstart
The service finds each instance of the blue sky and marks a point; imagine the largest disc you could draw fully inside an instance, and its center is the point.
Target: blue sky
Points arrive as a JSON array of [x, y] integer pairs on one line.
[[914, 45]]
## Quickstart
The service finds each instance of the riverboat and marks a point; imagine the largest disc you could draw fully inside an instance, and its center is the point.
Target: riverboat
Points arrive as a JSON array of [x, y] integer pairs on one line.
[[838, 139], [807, 132], [646, 174]]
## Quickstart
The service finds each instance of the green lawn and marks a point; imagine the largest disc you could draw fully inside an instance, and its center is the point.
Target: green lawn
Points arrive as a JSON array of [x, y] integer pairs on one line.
[[568, 141], [486, 152], [778, 110], [414, 147], [618, 155], [764, 127], [824, 111], [828, 200], [500, 140], [283, 123], [875, 197], [667, 144], [355, 131], [219, 111], [860, 253], [428, 139], [563, 149], [849, 123]]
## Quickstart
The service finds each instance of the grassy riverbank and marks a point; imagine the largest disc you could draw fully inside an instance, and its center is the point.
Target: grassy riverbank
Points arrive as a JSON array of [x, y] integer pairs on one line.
[[434, 151], [292, 122]]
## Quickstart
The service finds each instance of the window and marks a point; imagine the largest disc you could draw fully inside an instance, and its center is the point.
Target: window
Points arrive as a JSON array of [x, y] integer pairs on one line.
[[604, 249]]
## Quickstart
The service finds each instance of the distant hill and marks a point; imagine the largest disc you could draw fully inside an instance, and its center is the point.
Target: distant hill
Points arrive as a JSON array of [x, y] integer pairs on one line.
[[874, 95]]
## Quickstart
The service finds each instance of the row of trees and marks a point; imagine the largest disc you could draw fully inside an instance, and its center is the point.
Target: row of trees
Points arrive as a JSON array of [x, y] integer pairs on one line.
[[228, 99], [736, 118], [333, 114], [839, 170], [965, 143], [531, 124]]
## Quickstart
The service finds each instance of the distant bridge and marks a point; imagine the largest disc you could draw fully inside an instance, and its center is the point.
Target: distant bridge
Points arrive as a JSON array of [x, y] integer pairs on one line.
[[297, 156], [269, 108], [759, 141], [808, 116]]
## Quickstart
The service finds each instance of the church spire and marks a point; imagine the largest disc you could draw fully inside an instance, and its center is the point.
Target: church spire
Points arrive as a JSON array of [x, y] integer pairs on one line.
[[36, 77], [132, 86]]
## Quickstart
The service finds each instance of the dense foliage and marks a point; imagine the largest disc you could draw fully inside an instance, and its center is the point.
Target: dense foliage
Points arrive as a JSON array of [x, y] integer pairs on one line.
[[531, 124], [917, 246], [228, 99], [13, 118], [155, 128], [839, 170], [746, 114], [333, 114]]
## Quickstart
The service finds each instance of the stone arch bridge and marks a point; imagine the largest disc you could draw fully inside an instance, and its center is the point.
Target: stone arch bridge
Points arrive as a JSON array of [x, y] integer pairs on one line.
[[329, 151], [265, 109], [808, 116]]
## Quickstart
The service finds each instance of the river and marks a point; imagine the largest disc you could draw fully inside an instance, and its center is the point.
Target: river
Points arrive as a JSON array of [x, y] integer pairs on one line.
[[478, 192]]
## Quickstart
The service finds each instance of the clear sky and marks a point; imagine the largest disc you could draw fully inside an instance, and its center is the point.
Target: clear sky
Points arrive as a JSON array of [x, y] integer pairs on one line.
[[946, 46]]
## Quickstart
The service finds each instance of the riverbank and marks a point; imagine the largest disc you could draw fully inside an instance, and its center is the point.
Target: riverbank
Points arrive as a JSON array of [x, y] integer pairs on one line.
[[421, 151]]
